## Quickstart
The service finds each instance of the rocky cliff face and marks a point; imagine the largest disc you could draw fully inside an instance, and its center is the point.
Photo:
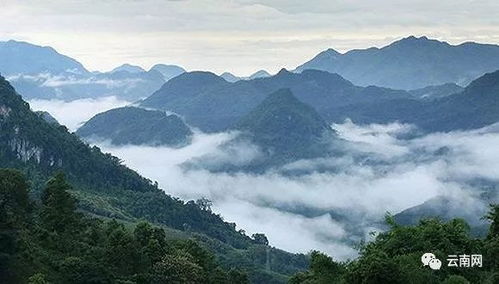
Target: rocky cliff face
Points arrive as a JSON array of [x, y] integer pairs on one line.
[[25, 151]]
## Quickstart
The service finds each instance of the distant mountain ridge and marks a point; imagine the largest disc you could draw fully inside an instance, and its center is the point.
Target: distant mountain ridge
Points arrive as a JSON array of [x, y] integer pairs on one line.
[[437, 92], [168, 71], [42, 73], [410, 63], [18, 57], [211, 103], [229, 77], [128, 68]]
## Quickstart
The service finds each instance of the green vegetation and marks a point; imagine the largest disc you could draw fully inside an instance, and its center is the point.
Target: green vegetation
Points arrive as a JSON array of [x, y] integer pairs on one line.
[[132, 125], [285, 129], [106, 189], [395, 256], [52, 242]]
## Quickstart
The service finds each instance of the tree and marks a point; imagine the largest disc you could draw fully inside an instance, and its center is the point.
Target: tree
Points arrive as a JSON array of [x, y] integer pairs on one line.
[[455, 279], [492, 240], [204, 204], [58, 206], [38, 278], [177, 269], [323, 269], [260, 239], [14, 210], [237, 276], [493, 217], [122, 252]]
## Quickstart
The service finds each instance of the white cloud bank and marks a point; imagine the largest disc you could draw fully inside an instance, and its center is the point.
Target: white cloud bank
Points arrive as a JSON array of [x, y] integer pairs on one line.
[[73, 114], [380, 173]]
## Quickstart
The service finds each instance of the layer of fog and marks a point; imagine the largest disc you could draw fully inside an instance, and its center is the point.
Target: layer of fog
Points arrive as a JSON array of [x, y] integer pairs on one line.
[[71, 79], [380, 172], [73, 114]]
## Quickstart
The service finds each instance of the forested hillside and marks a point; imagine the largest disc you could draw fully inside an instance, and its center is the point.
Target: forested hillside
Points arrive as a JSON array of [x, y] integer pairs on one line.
[[137, 126], [51, 242], [395, 256], [106, 188]]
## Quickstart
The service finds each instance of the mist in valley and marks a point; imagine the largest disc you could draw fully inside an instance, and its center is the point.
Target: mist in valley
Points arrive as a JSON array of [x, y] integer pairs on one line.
[[332, 203]]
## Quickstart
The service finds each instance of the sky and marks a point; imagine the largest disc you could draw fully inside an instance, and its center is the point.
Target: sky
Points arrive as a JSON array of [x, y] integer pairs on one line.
[[240, 36]]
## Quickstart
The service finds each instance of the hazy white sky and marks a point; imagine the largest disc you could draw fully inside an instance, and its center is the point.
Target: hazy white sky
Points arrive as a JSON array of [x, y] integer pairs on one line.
[[241, 36]]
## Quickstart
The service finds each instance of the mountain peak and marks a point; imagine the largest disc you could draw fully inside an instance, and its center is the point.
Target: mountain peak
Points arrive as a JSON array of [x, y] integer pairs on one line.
[[259, 74], [168, 71], [200, 77], [281, 112], [488, 84], [229, 77], [19, 57], [128, 68], [282, 72], [285, 126], [413, 40], [331, 52]]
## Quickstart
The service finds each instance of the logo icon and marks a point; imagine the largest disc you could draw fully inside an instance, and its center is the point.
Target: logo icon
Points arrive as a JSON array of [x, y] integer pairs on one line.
[[429, 259]]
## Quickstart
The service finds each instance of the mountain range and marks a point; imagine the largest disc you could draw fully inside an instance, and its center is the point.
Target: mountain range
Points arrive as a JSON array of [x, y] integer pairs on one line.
[[229, 77], [474, 107], [410, 63], [212, 104], [42, 73]]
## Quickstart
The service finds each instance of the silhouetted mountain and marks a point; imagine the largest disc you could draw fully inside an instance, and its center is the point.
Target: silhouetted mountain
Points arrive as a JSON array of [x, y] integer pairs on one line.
[[168, 71], [136, 126], [128, 68], [212, 104], [18, 57], [410, 63], [229, 77], [42, 73], [285, 128], [437, 92], [477, 106], [259, 74], [446, 209]]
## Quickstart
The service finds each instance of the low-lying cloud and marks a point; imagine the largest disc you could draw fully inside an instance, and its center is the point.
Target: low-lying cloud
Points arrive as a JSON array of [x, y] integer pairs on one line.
[[380, 171], [73, 114]]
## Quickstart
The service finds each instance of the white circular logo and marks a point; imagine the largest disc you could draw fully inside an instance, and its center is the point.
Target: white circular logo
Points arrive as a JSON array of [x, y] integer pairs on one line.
[[429, 259]]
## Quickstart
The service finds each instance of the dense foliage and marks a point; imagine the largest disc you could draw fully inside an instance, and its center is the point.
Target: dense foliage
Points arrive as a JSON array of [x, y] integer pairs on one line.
[[136, 126], [52, 242], [286, 129], [395, 256], [106, 188]]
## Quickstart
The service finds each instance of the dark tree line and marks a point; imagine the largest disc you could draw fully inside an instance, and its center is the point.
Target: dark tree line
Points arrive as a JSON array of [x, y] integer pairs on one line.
[[395, 256], [51, 242]]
